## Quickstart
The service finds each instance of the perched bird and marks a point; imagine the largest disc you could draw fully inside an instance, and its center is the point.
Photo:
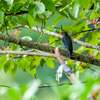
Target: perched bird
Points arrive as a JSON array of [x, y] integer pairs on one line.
[[67, 42]]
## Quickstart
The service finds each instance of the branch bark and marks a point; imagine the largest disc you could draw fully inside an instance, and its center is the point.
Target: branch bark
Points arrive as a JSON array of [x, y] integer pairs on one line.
[[50, 49]]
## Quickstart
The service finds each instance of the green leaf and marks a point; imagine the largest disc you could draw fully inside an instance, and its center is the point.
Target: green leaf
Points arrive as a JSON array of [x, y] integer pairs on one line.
[[2, 61], [85, 3], [67, 28], [1, 16], [97, 6], [10, 25], [3, 4], [16, 8], [70, 15], [76, 8], [63, 13], [68, 1], [13, 20], [13, 94], [35, 62], [10, 2], [40, 7], [36, 8], [33, 72], [31, 21], [94, 15], [22, 20], [51, 39], [92, 38], [98, 56], [23, 64], [23, 89], [81, 49], [78, 66], [50, 63], [7, 65], [15, 46], [43, 61], [79, 26], [92, 52], [13, 68], [57, 20], [47, 14], [31, 10], [95, 52], [38, 19], [49, 5]]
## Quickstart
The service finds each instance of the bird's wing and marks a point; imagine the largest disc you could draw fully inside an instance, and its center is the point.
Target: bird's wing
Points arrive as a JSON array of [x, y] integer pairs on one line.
[[67, 44]]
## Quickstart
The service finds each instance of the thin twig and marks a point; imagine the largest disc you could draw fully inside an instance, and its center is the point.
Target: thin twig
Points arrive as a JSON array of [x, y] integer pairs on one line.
[[43, 86], [27, 53], [54, 41], [91, 68], [41, 32], [59, 6], [85, 31], [18, 13]]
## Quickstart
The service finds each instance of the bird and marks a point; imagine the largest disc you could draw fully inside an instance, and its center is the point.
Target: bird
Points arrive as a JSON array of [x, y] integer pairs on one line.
[[67, 42]]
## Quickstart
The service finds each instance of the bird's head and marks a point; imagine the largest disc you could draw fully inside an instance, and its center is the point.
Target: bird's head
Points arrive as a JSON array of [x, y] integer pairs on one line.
[[64, 33]]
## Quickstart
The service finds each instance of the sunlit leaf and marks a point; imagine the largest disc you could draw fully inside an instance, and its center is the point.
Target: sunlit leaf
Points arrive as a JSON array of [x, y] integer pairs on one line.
[[51, 39], [31, 21], [76, 8], [70, 15], [50, 63], [85, 3], [92, 38], [81, 49], [15, 46], [13, 68], [35, 62], [7, 65], [94, 15], [33, 72], [49, 5], [23, 64], [2, 61]]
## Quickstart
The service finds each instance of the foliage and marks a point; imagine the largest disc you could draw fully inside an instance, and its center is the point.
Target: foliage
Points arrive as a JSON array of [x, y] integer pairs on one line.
[[85, 15]]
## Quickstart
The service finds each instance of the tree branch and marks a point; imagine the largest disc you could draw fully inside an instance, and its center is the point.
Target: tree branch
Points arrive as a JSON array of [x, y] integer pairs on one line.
[[50, 49], [67, 69], [27, 53], [59, 36], [86, 31], [87, 45], [18, 13]]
